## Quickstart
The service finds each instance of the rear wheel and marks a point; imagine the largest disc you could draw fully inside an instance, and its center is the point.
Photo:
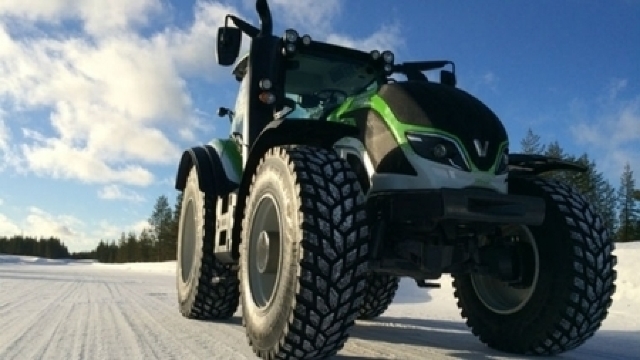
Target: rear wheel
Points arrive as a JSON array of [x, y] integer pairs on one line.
[[207, 289], [379, 294], [303, 259], [571, 279]]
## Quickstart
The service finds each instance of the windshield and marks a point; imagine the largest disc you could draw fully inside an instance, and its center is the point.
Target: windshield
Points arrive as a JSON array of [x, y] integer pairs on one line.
[[319, 84]]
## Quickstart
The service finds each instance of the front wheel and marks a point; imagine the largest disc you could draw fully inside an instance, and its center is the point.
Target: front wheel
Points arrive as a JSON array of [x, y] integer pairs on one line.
[[303, 258], [570, 271]]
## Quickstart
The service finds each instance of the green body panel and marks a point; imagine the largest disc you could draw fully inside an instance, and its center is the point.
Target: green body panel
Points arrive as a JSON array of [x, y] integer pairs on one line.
[[370, 100], [230, 157]]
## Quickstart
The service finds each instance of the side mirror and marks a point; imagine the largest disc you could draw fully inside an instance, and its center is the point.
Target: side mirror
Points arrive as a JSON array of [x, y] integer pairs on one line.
[[448, 78], [228, 45], [223, 111]]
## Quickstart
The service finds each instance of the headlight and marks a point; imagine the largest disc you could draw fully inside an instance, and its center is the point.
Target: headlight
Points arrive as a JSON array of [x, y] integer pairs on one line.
[[438, 148], [291, 35], [387, 56]]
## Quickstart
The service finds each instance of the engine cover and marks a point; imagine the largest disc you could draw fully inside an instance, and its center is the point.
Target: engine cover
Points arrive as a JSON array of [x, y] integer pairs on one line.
[[451, 110]]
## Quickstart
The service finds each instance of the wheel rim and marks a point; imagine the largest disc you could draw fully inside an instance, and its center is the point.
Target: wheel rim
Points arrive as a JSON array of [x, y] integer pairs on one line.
[[188, 241], [265, 252], [500, 297]]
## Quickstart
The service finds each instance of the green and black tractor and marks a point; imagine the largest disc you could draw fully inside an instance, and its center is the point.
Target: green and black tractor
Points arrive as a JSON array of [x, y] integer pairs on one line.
[[345, 171]]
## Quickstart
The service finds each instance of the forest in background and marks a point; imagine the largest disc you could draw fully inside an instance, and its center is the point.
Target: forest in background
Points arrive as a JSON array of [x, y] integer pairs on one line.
[[619, 206]]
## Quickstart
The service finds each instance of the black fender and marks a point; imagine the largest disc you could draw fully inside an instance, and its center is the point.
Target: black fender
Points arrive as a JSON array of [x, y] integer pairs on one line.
[[285, 132], [211, 175], [532, 164]]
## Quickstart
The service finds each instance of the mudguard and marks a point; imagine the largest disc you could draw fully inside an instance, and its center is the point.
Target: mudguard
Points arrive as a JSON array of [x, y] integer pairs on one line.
[[217, 167], [230, 159], [530, 164]]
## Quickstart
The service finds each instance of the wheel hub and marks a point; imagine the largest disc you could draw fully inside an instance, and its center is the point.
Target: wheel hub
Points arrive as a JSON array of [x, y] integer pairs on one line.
[[188, 241], [267, 252], [264, 251], [502, 297]]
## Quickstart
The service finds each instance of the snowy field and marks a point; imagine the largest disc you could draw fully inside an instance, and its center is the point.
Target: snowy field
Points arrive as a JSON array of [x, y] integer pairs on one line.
[[82, 310]]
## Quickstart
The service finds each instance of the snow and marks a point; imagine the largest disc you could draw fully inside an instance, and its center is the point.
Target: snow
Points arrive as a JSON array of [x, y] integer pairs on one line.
[[65, 309]]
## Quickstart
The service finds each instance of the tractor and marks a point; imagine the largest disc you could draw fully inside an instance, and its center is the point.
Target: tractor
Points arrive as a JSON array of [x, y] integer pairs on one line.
[[346, 171]]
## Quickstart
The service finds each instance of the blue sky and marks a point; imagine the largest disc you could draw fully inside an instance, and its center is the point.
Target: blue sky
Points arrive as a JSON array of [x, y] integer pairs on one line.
[[97, 102]]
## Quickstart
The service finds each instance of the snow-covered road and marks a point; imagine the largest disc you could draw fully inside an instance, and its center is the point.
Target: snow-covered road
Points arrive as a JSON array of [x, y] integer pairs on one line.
[[71, 310]]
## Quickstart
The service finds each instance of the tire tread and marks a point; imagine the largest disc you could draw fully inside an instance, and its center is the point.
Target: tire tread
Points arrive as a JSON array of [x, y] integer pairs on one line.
[[333, 255]]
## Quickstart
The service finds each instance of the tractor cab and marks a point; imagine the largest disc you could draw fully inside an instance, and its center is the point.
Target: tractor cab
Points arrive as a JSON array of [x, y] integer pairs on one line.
[[316, 78], [292, 76], [317, 82]]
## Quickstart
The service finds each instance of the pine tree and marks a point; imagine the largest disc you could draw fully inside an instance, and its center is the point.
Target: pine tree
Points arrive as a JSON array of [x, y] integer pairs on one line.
[[531, 144], [113, 251], [132, 247], [146, 246], [554, 150], [172, 244], [121, 249], [627, 206], [161, 224], [607, 206]]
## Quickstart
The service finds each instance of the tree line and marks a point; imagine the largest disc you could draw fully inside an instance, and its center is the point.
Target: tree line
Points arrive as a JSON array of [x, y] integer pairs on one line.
[[619, 207], [51, 248], [156, 243]]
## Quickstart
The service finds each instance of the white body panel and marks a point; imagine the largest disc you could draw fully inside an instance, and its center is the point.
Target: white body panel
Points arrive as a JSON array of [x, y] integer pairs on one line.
[[431, 175]]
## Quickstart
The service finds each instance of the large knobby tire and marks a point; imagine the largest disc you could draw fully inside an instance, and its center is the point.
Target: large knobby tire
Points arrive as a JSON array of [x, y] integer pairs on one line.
[[573, 279], [379, 294], [207, 289], [303, 258]]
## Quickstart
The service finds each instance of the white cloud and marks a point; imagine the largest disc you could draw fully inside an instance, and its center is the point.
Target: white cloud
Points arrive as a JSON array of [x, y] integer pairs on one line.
[[59, 160], [98, 17], [116, 192], [140, 225], [612, 133], [192, 49], [7, 154], [489, 77], [388, 37], [109, 96], [7, 227], [4, 134], [306, 14], [41, 223], [108, 231], [615, 87]]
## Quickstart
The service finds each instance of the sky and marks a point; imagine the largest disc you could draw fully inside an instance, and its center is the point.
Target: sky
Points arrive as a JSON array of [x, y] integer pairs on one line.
[[99, 99]]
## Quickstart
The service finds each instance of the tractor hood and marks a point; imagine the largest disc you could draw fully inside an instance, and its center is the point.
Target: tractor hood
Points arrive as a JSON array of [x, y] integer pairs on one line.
[[450, 110]]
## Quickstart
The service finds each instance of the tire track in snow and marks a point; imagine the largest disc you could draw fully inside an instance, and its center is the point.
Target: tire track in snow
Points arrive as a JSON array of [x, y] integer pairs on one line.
[[78, 312], [48, 337], [15, 292], [158, 316], [31, 320]]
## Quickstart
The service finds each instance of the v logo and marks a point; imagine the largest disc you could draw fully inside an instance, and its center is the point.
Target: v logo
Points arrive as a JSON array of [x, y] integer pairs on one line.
[[481, 149]]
